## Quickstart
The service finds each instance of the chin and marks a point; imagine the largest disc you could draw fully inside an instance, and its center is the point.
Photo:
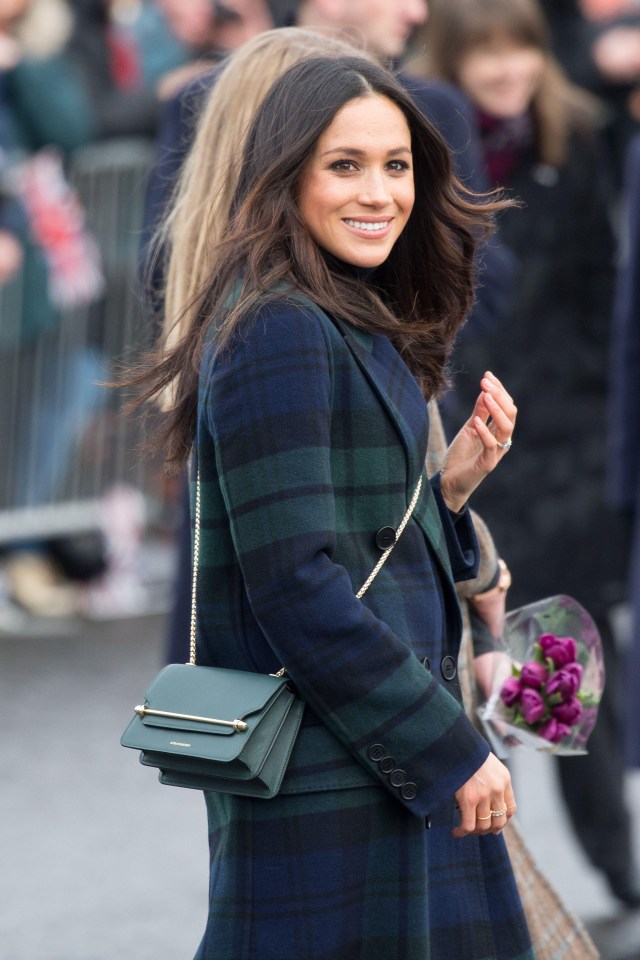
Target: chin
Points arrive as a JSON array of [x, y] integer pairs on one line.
[[507, 111], [366, 258], [369, 261]]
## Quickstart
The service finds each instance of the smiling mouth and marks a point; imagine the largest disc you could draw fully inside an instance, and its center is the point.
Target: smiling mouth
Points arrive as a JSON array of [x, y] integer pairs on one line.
[[367, 226]]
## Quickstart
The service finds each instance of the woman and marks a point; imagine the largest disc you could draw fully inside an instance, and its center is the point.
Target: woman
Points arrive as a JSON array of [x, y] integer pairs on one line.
[[302, 373], [186, 242], [191, 234], [539, 135]]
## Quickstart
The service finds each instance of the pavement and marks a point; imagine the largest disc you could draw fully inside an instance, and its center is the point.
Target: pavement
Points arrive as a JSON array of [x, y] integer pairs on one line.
[[100, 862]]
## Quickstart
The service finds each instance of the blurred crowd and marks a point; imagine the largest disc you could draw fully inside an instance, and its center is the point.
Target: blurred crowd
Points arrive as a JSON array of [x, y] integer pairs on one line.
[[538, 97]]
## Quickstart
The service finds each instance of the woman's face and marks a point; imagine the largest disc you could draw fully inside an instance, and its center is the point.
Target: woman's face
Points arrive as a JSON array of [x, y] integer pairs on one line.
[[356, 192], [501, 76]]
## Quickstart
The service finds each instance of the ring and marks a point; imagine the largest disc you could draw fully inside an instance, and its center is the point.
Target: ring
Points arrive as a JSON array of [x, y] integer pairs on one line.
[[506, 445], [499, 813], [485, 818]]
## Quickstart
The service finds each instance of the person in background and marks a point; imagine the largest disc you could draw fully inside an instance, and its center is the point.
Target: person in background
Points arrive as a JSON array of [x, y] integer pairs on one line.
[[49, 397], [539, 136], [12, 217], [598, 44], [100, 81], [615, 54], [212, 30]]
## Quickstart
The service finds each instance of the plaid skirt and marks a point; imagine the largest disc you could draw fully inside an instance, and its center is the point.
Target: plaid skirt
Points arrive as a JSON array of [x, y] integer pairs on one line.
[[349, 875]]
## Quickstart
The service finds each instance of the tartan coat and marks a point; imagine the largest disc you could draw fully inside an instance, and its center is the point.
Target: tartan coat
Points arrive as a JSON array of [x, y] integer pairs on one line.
[[311, 438]]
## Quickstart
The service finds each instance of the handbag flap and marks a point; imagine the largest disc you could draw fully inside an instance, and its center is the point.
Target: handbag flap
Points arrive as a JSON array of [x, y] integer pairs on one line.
[[211, 692]]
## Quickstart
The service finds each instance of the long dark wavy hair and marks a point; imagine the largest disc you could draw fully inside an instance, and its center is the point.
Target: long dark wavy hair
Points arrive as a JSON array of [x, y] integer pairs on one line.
[[418, 298]]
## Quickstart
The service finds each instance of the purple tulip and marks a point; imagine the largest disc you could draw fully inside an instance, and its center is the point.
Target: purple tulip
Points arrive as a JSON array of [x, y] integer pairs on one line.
[[576, 670], [511, 690], [564, 683], [533, 675], [532, 706], [562, 650], [553, 730], [569, 712]]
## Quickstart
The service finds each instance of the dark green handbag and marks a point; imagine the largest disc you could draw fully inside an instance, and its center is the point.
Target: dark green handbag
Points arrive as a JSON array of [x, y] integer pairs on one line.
[[216, 729], [210, 728]]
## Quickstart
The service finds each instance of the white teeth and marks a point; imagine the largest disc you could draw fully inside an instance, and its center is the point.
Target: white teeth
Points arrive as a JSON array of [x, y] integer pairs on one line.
[[371, 227]]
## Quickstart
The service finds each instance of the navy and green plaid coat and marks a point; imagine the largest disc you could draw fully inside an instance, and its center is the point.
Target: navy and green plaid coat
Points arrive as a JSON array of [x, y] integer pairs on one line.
[[311, 438]]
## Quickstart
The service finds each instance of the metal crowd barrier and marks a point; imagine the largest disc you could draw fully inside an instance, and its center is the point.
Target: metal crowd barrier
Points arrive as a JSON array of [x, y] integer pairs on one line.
[[64, 440]]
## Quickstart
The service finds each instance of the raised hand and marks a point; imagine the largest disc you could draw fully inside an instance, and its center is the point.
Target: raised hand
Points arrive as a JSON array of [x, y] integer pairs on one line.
[[480, 444]]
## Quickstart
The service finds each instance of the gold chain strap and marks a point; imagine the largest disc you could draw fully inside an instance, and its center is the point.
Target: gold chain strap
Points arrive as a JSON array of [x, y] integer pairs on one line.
[[361, 592], [405, 520], [194, 580]]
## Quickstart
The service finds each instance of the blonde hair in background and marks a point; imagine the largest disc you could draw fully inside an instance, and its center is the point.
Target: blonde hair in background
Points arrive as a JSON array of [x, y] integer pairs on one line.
[[201, 202], [457, 26]]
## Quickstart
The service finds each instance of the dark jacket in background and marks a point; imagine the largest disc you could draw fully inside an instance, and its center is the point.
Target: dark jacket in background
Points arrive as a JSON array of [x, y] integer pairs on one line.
[[546, 505], [624, 453]]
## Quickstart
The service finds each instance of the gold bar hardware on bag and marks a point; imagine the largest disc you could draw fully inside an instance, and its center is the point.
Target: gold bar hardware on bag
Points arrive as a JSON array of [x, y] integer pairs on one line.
[[238, 725]]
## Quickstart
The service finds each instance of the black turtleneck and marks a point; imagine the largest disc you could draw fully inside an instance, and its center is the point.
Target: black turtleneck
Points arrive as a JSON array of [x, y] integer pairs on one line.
[[365, 274]]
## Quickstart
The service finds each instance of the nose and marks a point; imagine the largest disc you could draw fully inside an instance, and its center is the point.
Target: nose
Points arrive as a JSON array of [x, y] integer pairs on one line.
[[374, 190], [416, 12]]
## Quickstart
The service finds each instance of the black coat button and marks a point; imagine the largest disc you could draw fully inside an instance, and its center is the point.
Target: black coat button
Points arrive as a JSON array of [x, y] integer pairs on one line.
[[376, 752], [387, 764], [426, 663], [397, 777], [385, 537], [427, 822], [448, 668], [408, 791]]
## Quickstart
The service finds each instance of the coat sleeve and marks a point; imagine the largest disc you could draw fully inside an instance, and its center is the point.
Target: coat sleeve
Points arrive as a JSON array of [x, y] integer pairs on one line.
[[268, 407]]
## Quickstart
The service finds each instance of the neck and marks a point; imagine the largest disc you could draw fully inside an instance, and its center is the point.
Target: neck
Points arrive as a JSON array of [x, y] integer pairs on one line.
[[346, 269]]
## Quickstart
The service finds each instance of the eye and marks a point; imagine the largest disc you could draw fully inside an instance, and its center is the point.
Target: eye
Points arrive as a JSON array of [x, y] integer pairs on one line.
[[343, 166], [398, 166]]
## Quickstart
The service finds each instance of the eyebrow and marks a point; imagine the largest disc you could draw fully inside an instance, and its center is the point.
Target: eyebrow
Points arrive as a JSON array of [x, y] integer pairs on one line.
[[354, 152]]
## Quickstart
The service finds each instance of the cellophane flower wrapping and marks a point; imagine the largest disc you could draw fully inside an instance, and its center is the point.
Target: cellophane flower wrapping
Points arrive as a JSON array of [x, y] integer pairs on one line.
[[548, 683]]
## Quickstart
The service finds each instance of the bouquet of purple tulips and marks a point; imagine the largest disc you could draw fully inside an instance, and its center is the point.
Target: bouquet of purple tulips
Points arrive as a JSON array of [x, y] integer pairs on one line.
[[548, 683]]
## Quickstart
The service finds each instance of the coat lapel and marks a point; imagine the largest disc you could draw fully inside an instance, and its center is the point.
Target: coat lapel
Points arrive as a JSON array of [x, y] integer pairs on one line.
[[396, 389], [399, 393]]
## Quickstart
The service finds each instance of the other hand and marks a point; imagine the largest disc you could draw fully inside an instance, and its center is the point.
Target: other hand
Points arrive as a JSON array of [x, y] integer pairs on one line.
[[486, 801], [476, 450]]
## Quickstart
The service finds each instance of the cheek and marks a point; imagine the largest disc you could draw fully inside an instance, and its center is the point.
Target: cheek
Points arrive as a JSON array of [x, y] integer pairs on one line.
[[536, 69], [315, 203], [406, 198], [320, 197]]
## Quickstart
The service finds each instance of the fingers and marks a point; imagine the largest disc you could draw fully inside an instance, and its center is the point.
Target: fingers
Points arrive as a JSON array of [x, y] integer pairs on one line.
[[486, 802], [500, 405], [493, 386], [494, 418]]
